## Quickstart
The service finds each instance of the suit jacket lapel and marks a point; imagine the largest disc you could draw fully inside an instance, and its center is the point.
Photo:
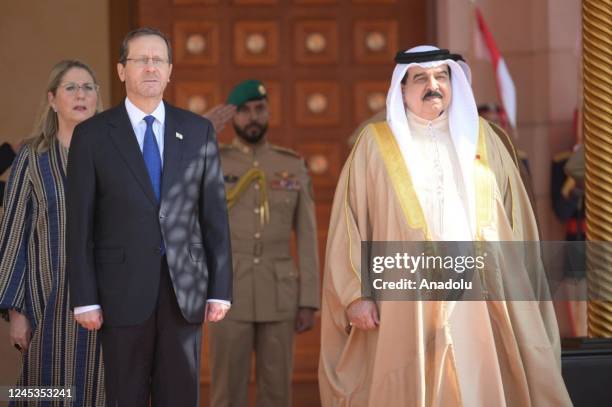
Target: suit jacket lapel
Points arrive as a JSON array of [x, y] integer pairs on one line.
[[173, 150], [122, 135]]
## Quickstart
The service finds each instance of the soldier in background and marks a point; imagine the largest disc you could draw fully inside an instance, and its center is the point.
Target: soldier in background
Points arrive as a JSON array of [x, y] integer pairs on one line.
[[496, 117], [567, 187], [270, 196], [568, 199]]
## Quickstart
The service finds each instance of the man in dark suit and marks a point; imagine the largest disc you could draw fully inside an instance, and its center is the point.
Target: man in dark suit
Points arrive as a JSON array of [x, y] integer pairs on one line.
[[7, 155], [147, 233]]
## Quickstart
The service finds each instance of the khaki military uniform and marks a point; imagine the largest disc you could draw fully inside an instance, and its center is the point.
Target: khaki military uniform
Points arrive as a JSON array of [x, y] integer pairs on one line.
[[270, 197]]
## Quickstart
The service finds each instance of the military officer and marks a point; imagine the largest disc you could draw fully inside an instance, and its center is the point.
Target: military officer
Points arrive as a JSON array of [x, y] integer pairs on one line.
[[567, 193], [270, 196]]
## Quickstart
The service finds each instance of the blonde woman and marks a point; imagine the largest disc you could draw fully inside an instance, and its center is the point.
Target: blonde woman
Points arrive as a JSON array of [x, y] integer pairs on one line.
[[33, 286]]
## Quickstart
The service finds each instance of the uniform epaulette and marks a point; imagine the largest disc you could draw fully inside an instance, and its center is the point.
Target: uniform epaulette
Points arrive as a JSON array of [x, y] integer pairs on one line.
[[285, 150], [563, 155]]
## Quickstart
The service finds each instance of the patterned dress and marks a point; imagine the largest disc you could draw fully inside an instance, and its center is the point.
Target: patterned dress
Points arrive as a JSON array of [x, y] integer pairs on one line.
[[33, 279]]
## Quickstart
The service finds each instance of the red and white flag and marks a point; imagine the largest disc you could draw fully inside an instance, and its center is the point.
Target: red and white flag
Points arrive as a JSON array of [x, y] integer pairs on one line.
[[486, 48]]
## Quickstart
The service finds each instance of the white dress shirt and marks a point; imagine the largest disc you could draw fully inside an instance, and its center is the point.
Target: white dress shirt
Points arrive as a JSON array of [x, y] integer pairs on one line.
[[440, 186]]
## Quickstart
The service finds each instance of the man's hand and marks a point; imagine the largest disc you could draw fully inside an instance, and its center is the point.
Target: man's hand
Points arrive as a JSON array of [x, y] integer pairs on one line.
[[215, 311], [363, 314], [304, 321], [20, 331], [220, 115], [90, 320]]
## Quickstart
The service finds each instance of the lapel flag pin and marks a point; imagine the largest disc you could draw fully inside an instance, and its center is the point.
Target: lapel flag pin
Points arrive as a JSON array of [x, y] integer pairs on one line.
[[179, 135]]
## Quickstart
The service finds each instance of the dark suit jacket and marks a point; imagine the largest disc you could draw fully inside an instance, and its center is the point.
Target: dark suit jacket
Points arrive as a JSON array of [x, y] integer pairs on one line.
[[7, 155], [115, 226]]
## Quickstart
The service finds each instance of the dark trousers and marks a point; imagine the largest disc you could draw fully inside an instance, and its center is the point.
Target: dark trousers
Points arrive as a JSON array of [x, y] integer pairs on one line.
[[159, 358]]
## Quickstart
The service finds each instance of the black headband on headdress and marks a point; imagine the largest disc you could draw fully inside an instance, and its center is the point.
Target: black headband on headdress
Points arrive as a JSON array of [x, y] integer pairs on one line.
[[426, 56]]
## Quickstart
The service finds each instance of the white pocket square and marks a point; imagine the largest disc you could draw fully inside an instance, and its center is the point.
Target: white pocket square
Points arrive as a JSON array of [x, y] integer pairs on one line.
[[179, 135]]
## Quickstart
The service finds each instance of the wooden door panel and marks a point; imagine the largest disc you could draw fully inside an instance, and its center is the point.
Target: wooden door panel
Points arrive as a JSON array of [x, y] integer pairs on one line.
[[317, 104], [197, 96], [197, 43], [375, 41], [369, 97], [256, 43], [315, 42]]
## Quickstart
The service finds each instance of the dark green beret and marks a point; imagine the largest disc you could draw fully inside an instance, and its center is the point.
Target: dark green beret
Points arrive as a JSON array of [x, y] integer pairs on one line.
[[245, 91]]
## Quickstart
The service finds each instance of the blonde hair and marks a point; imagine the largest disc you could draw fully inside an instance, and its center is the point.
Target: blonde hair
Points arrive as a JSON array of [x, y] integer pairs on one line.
[[46, 124]]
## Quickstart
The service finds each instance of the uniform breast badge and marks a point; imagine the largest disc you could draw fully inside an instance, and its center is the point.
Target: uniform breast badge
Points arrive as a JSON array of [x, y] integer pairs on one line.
[[287, 181]]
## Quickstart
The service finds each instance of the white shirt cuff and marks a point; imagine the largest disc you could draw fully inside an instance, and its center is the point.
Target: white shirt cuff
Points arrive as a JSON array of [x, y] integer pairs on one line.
[[80, 310], [229, 304], [85, 308]]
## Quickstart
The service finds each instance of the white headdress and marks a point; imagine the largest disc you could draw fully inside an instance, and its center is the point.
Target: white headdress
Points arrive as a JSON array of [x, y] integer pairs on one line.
[[462, 112]]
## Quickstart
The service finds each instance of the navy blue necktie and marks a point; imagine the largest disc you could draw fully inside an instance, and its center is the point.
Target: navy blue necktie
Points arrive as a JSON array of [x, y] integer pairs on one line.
[[152, 158]]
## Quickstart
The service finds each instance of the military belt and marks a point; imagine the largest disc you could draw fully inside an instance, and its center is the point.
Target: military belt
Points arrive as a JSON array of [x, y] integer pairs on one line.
[[260, 248]]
